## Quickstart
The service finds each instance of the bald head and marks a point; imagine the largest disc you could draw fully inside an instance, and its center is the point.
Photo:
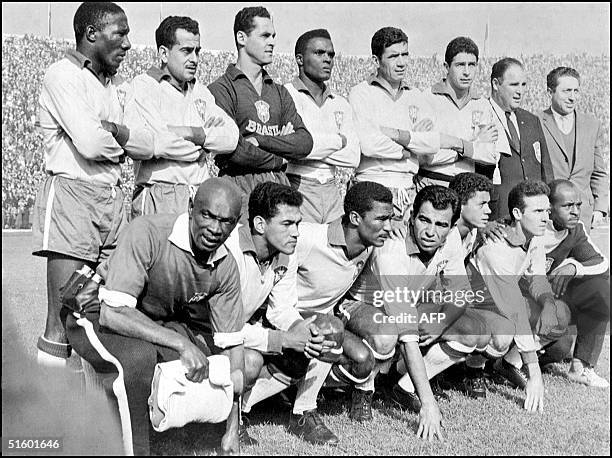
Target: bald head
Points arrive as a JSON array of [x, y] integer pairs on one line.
[[558, 187], [213, 214]]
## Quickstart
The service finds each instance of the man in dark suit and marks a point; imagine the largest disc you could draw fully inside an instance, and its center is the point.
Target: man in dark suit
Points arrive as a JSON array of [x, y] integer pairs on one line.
[[526, 156], [574, 142]]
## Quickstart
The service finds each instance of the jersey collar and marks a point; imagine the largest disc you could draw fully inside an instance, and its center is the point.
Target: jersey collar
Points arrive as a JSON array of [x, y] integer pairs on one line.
[[160, 75], [181, 239], [233, 73]]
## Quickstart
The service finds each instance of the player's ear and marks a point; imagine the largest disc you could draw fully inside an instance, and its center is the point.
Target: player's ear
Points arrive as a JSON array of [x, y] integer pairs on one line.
[[259, 224], [299, 58], [162, 53], [495, 84], [190, 208], [90, 33], [355, 218], [517, 214], [241, 37], [375, 61]]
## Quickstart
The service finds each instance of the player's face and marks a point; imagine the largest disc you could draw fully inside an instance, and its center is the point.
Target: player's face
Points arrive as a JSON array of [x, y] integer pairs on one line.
[[281, 231], [565, 96], [375, 225], [535, 215], [511, 88], [393, 63], [462, 71], [318, 59], [431, 227], [475, 212], [112, 43], [182, 58], [212, 219], [565, 207], [259, 44]]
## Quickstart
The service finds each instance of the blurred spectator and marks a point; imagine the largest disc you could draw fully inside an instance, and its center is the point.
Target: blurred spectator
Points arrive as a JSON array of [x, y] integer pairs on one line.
[[25, 59]]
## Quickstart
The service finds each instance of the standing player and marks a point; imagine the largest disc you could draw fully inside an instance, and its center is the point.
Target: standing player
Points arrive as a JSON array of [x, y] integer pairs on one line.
[[526, 156], [79, 209], [329, 259], [271, 130], [499, 267], [574, 141], [172, 291], [329, 119], [579, 275], [460, 111], [187, 124]]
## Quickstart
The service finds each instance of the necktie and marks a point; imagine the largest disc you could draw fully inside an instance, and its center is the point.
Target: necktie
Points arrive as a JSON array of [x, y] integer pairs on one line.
[[514, 138]]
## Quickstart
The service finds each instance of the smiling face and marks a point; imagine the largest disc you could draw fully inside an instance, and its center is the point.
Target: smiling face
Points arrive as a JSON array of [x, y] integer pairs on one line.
[[475, 212], [565, 95], [462, 71], [374, 226], [111, 42], [431, 227], [318, 59], [393, 63], [565, 207], [259, 44], [181, 60], [508, 93]]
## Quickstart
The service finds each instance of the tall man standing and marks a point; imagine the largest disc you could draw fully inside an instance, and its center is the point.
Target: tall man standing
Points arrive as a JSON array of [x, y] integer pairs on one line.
[[526, 157], [575, 144], [187, 124], [271, 130], [79, 209], [329, 119]]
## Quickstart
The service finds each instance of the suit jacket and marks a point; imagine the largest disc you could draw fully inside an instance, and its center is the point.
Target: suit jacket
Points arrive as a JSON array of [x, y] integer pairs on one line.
[[588, 172], [530, 162]]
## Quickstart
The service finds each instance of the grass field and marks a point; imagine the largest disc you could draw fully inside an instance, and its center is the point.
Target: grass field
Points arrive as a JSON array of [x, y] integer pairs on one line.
[[576, 420]]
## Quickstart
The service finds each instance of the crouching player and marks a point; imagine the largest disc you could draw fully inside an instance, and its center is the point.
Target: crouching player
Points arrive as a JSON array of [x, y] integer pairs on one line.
[[579, 275], [474, 192], [171, 292], [501, 268], [421, 281], [278, 341], [329, 259]]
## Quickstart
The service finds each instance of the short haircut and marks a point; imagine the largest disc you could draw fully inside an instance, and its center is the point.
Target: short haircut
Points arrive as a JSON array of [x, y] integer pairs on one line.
[[302, 41], [266, 198], [92, 13], [385, 37], [165, 35], [245, 19], [499, 68], [440, 197], [361, 196], [552, 79], [459, 45], [559, 183], [467, 184], [527, 188]]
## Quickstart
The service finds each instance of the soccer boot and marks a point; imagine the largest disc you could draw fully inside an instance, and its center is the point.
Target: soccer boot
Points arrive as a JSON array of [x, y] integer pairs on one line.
[[310, 427], [361, 405]]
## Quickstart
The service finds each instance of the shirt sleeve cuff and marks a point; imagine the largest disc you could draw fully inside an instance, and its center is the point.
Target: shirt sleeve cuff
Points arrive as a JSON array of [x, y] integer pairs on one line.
[[275, 341], [468, 148], [116, 298], [228, 339]]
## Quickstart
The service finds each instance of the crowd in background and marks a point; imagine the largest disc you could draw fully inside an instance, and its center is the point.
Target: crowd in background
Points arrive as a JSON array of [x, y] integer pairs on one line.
[[25, 59]]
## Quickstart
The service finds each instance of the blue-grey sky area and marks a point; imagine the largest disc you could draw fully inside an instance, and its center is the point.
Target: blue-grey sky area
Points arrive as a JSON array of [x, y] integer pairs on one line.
[[514, 28]]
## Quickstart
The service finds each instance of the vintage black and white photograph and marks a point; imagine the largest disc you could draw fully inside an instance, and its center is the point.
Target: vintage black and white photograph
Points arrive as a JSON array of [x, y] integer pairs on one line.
[[305, 228]]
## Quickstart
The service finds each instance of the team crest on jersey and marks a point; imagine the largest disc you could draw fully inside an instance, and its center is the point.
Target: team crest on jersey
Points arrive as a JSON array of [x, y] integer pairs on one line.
[[360, 265], [263, 111], [440, 267], [537, 151], [279, 273], [197, 297], [549, 263]]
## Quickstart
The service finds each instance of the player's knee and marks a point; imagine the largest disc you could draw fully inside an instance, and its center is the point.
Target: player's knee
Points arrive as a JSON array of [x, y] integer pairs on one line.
[[382, 345], [564, 314], [361, 357], [253, 362]]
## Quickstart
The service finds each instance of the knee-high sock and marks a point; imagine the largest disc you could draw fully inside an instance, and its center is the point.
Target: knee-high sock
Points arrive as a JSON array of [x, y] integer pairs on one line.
[[265, 386], [436, 361], [310, 385]]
